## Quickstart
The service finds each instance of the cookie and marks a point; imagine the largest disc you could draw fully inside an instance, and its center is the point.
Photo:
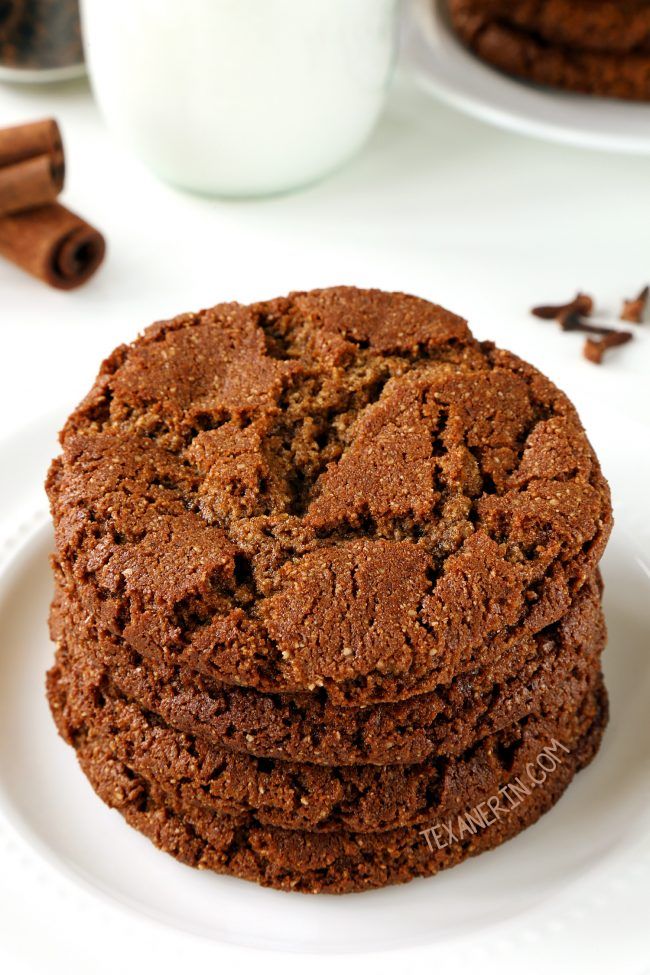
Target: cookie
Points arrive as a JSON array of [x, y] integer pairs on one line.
[[610, 27], [328, 862], [308, 728], [363, 798], [596, 48], [341, 489]]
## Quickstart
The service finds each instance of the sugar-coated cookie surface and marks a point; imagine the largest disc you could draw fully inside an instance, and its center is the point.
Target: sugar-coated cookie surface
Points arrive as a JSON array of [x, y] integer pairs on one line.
[[301, 795], [337, 863], [341, 489], [308, 728], [326, 576]]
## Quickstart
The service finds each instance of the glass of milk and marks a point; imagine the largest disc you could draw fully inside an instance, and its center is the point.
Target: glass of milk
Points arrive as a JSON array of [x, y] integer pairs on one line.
[[241, 97]]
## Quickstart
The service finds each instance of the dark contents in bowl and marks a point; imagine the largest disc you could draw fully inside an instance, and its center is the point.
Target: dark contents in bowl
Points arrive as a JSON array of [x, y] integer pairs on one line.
[[40, 34]]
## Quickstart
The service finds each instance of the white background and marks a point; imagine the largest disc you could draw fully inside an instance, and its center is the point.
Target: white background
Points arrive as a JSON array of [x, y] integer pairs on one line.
[[484, 222]]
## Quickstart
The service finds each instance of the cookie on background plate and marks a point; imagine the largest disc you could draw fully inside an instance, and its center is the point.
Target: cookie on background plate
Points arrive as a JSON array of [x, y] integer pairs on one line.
[[595, 47]]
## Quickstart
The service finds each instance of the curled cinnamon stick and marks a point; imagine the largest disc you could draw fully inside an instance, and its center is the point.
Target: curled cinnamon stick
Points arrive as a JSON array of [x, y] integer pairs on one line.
[[29, 184], [52, 244], [43, 138]]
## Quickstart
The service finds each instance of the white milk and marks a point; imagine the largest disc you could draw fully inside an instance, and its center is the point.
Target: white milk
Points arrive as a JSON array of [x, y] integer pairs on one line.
[[241, 97]]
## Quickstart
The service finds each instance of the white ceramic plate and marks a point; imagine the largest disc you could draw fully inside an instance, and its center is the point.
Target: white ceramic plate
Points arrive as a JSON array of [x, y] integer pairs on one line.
[[590, 855], [448, 70]]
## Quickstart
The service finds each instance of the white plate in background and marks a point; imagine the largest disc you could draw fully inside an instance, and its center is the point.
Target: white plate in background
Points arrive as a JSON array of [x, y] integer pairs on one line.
[[443, 66]]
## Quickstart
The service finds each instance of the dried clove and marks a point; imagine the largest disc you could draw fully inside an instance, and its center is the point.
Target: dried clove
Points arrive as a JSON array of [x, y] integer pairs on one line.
[[571, 321], [574, 317], [634, 308], [581, 305], [595, 349]]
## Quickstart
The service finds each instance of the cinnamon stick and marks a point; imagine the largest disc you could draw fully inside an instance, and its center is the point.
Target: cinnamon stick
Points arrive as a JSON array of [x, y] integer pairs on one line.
[[52, 244], [43, 138], [32, 167], [28, 184]]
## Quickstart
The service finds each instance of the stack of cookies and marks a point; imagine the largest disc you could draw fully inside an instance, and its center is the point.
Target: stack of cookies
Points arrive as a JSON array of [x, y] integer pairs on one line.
[[598, 47], [326, 590]]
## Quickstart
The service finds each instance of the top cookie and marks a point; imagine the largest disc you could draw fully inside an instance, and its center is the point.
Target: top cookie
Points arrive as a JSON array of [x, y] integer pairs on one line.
[[338, 489]]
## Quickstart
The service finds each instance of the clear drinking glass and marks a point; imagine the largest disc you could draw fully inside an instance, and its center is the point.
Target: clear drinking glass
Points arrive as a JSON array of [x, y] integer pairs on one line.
[[241, 97]]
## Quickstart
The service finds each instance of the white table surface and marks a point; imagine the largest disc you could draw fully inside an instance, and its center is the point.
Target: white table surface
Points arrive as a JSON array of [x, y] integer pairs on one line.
[[484, 222]]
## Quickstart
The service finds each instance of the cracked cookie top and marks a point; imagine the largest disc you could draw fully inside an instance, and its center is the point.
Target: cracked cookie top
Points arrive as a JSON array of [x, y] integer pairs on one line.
[[340, 489]]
